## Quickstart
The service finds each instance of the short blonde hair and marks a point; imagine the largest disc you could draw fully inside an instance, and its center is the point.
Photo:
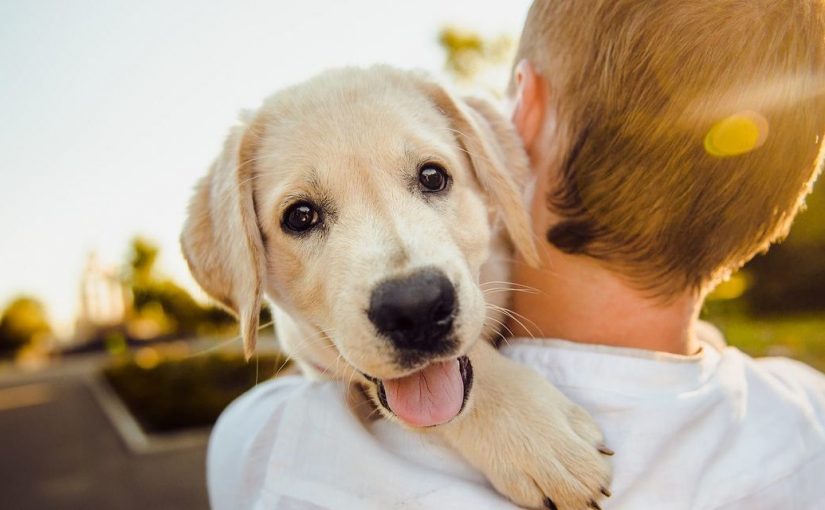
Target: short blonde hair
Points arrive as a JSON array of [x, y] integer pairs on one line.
[[637, 87]]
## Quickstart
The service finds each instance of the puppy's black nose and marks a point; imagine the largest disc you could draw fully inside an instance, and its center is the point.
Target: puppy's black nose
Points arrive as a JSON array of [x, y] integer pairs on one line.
[[416, 311]]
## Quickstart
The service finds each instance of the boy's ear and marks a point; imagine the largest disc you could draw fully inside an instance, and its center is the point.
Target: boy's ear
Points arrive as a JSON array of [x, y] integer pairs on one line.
[[529, 104], [498, 160], [221, 240]]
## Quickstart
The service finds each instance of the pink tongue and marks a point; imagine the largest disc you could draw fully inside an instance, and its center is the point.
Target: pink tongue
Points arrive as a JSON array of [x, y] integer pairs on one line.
[[428, 397]]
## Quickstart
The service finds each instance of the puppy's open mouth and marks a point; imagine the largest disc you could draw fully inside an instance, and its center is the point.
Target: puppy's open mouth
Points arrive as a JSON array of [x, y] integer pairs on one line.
[[431, 396]]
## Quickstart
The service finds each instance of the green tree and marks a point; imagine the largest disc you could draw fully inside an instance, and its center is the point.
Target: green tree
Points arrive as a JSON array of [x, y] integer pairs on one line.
[[152, 292], [23, 323], [142, 259], [469, 54]]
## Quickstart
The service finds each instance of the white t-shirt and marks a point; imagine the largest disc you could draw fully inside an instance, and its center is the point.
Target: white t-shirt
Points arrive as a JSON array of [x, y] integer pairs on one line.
[[710, 431]]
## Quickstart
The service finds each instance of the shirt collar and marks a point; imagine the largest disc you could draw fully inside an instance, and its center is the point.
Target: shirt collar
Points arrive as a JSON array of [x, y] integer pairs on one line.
[[620, 369]]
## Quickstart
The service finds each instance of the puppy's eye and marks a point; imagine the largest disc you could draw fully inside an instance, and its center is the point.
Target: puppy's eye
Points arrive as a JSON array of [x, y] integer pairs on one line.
[[432, 178], [301, 217]]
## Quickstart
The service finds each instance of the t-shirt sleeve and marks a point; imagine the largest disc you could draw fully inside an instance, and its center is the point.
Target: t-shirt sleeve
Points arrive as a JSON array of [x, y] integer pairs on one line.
[[776, 445], [802, 380], [241, 442]]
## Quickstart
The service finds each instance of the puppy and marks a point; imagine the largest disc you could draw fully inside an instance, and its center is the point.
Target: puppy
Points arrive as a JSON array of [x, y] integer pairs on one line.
[[371, 207]]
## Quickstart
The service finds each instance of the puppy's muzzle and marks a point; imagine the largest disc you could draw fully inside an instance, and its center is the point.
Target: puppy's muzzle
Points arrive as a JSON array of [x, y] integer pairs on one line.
[[415, 312]]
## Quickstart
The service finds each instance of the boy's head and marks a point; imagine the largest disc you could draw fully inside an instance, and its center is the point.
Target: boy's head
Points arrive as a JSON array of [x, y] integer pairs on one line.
[[684, 135]]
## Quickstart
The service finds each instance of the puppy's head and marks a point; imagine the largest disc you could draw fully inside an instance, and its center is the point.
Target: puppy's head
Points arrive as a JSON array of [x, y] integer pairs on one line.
[[361, 202]]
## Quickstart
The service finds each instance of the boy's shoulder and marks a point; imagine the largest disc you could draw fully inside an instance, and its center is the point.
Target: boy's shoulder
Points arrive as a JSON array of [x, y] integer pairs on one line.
[[774, 446], [718, 429], [297, 443], [794, 377], [243, 439], [776, 384]]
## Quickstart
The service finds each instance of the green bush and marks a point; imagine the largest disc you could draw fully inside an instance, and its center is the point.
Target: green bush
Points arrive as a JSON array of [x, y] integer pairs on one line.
[[190, 392], [22, 323], [790, 278]]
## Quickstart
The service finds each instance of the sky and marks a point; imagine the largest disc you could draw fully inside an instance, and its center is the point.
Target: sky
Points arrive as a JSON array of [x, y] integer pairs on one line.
[[111, 110]]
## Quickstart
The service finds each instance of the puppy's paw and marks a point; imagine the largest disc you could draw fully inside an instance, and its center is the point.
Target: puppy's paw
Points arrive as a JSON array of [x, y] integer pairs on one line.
[[534, 445], [557, 461]]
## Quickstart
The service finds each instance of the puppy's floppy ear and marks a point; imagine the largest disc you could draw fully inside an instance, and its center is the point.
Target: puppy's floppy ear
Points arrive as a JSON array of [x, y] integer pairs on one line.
[[498, 159], [221, 239]]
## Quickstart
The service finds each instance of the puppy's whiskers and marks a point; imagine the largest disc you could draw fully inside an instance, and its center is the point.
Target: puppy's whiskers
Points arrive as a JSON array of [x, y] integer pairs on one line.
[[353, 372], [287, 359], [501, 335], [516, 318], [501, 325], [508, 284], [225, 343], [498, 290]]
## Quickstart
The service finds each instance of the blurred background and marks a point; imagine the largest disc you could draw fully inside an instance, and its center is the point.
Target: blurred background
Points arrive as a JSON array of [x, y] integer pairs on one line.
[[113, 364]]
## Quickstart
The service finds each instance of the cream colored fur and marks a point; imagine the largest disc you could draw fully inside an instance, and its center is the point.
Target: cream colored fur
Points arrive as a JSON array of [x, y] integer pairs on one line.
[[353, 140]]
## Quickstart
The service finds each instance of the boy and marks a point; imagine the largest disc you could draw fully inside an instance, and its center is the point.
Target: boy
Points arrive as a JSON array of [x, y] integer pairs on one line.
[[671, 141]]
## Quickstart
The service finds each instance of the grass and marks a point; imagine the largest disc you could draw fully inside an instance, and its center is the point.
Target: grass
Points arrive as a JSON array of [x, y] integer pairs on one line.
[[798, 337]]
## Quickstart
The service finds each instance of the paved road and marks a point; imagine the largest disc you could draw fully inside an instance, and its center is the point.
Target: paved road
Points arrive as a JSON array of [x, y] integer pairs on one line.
[[59, 451]]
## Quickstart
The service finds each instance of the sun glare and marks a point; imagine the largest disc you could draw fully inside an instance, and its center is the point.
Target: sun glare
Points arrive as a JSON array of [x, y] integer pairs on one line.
[[738, 134]]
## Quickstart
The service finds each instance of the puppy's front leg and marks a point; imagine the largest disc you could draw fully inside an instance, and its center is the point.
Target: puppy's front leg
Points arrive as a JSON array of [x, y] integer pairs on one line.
[[533, 444]]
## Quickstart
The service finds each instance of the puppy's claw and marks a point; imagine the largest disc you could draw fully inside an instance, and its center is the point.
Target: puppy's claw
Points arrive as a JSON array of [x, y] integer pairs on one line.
[[606, 492], [595, 505], [605, 450], [549, 504]]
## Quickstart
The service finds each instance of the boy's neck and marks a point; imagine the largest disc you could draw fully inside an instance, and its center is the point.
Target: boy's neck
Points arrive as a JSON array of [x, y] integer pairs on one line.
[[574, 298]]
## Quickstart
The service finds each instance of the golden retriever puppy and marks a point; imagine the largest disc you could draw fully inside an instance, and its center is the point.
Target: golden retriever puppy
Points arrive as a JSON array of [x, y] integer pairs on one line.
[[370, 207]]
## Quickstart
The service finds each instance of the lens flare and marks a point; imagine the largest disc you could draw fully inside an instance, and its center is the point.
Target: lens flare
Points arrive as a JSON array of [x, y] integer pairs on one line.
[[736, 135]]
